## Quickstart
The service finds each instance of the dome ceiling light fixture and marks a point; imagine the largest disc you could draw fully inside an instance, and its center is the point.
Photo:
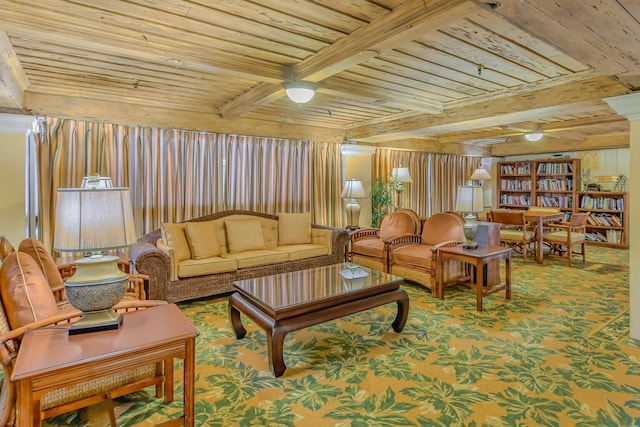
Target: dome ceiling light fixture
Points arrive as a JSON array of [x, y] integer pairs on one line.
[[534, 136], [300, 92]]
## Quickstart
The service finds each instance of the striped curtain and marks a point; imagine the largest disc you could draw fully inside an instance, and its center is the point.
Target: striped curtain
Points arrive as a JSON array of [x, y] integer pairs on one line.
[[175, 175], [448, 172]]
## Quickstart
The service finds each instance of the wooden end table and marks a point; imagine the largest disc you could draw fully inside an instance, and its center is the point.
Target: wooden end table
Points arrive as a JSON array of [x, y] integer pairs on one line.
[[478, 258], [49, 358]]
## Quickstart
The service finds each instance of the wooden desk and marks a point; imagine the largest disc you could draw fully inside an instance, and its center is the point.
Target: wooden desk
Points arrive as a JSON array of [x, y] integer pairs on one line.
[[540, 218], [49, 358], [478, 258]]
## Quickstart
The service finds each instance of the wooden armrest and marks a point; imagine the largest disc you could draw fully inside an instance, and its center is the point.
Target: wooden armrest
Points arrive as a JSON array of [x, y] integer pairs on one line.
[[403, 240], [444, 244], [365, 233]]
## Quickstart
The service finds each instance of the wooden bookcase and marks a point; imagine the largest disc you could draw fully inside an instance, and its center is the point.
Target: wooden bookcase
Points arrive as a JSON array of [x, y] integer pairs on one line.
[[548, 182], [515, 184], [608, 220]]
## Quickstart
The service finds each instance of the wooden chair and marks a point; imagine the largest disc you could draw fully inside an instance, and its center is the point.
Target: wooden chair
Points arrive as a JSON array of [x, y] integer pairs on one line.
[[369, 246], [515, 231], [563, 237]]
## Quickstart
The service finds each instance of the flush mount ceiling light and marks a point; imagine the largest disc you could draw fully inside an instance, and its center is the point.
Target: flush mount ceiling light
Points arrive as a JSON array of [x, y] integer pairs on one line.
[[299, 92], [534, 136]]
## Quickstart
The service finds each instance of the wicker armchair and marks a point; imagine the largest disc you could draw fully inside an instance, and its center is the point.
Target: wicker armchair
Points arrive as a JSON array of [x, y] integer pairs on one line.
[[414, 256], [369, 246]]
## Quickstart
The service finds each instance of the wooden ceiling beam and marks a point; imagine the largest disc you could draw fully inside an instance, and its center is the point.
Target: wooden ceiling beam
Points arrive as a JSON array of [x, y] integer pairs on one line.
[[403, 24], [537, 104], [13, 80], [555, 145], [430, 146]]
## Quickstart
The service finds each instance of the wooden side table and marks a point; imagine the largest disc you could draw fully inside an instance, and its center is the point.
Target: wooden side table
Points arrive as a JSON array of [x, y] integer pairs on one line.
[[49, 358], [478, 258]]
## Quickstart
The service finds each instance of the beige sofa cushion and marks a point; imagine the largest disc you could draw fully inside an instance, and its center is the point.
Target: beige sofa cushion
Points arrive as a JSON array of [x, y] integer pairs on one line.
[[201, 267], [26, 295], [298, 252], [294, 228], [203, 239], [244, 235], [175, 237], [258, 257]]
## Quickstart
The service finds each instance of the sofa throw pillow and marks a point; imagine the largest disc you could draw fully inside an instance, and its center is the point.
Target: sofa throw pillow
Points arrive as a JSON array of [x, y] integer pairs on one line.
[[203, 239], [26, 295], [176, 237], [244, 235], [294, 228], [39, 253]]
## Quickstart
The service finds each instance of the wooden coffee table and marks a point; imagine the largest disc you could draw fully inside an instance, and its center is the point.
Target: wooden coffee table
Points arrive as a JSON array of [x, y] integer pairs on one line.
[[287, 302]]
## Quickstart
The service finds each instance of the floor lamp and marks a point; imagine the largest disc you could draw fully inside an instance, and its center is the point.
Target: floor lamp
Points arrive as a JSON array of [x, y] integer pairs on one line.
[[353, 190], [399, 176]]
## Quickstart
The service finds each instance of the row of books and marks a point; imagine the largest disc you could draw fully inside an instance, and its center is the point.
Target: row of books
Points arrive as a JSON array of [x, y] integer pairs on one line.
[[611, 203], [554, 168], [607, 220], [523, 169], [611, 236], [556, 201], [515, 184], [511, 199], [555, 184]]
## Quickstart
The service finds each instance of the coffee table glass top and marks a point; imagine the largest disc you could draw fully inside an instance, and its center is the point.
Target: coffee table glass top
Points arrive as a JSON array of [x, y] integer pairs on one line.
[[296, 288]]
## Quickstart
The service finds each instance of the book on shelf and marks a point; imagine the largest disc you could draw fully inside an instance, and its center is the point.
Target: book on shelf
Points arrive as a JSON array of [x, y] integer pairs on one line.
[[515, 184], [604, 219], [554, 168], [555, 184], [523, 169], [603, 203], [554, 201]]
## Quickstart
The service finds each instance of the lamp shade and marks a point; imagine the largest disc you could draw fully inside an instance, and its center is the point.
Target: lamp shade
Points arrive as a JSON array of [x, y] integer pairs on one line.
[[89, 219], [469, 199], [401, 175], [353, 190], [96, 181], [299, 92], [480, 174]]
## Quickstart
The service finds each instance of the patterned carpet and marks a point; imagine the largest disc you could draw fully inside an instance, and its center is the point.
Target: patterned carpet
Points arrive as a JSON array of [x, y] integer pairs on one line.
[[557, 354]]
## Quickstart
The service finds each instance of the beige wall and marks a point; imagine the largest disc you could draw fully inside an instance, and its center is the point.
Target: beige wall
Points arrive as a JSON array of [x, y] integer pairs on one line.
[[12, 175], [357, 164]]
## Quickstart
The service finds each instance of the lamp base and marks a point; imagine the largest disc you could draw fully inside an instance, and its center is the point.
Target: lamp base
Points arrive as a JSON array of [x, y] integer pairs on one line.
[[470, 245], [470, 230], [353, 214], [94, 321]]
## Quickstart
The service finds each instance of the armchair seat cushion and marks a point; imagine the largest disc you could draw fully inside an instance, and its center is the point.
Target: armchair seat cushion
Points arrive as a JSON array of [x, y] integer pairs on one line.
[[369, 247], [561, 237], [513, 234], [418, 255]]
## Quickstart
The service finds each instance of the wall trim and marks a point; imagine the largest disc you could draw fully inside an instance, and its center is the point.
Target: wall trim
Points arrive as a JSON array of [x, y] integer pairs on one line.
[[16, 123]]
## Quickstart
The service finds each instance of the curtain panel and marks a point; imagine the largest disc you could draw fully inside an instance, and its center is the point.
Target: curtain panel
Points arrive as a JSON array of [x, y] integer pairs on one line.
[[436, 178], [175, 175]]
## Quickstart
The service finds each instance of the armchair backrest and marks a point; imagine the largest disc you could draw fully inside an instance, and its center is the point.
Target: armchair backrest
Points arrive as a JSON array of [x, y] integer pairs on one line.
[[403, 221], [508, 217], [442, 227], [6, 248], [579, 220]]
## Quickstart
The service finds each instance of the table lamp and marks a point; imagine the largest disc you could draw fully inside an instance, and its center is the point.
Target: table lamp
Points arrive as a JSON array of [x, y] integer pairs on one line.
[[480, 175], [93, 220], [469, 202], [398, 177], [353, 190]]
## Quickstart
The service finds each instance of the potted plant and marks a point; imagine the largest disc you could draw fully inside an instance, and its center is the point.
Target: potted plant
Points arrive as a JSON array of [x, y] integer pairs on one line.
[[381, 200]]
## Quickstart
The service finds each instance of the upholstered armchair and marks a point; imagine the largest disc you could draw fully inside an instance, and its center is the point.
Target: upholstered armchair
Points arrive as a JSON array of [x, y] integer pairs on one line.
[[29, 302], [515, 231], [414, 256], [563, 237], [369, 245]]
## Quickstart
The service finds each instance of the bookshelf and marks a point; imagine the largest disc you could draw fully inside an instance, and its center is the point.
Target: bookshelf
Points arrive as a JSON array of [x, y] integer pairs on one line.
[[548, 182], [607, 224], [515, 184]]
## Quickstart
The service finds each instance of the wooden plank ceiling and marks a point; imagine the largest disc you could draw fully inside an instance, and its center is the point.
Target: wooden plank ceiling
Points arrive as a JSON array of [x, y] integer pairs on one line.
[[458, 76]]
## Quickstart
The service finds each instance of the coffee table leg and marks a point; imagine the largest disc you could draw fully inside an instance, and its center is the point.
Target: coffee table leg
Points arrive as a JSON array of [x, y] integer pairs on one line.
[[236, 322], [275, 344], [403, 311]]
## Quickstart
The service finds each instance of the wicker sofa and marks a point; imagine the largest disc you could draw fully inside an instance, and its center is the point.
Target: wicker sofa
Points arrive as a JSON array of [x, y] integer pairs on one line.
[[232, 245]]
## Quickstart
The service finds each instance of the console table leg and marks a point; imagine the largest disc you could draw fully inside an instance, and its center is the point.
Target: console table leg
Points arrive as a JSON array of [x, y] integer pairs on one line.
[[403, 312], [275, 344]]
